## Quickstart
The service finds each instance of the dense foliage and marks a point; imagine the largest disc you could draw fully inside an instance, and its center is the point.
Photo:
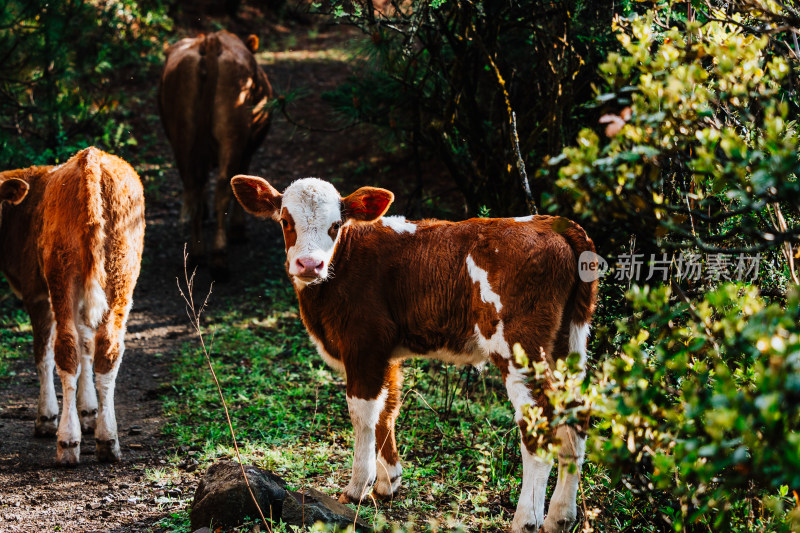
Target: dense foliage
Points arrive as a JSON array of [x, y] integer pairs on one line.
[[488, 86], [696, 401], [62, 65]]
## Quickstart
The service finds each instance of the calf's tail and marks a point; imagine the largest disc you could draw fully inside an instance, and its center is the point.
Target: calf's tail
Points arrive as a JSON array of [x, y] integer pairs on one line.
[[93, 271]]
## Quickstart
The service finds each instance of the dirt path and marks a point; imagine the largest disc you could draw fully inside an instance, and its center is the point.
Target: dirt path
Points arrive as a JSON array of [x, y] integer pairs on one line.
[[35, 495]]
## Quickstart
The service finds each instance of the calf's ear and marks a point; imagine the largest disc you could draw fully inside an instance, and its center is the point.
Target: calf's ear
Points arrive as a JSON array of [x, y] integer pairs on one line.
[[13, 190], [258, 197], [367, 204]]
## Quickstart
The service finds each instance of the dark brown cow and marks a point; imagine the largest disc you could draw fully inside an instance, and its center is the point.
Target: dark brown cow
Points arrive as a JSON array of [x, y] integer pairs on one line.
[[463, 292], [213, 100], [71, 250]]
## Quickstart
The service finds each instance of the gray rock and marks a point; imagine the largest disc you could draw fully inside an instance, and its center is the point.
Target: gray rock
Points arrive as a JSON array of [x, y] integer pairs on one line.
[[222, 497], [312, 506], [222, 500]]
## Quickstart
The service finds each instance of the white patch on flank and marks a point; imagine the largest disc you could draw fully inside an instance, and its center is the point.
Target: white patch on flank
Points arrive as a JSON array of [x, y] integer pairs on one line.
[[69, 429], [386, 473], [481, 277], [399, 224], [335, 364], [530, 508], [48, 403], [365, 415], [494, 344], [523, 219], [563, 504], [95, 304], [314, 205]]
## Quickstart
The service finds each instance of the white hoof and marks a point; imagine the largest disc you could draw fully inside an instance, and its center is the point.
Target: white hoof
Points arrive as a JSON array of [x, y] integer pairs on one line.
[[68, 453], [525, 523]]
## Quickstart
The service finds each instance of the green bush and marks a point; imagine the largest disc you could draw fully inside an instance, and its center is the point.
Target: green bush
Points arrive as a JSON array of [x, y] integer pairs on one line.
[[700, 142], [64, 64]]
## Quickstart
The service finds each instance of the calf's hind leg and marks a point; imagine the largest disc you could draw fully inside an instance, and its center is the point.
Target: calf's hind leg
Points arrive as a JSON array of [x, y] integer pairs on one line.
[[109, 349], [529, 515], [67, 361]]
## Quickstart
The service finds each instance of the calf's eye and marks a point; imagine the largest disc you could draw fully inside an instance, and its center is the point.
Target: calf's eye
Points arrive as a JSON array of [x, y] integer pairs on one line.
[[334, 230], [284, 223]]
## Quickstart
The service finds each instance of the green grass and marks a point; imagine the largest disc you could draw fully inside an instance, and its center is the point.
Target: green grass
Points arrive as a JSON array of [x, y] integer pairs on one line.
[[16, 335]]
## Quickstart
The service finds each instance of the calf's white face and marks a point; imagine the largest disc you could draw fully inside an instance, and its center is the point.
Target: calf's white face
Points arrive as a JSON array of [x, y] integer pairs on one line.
[[311, 216], [312, 213]]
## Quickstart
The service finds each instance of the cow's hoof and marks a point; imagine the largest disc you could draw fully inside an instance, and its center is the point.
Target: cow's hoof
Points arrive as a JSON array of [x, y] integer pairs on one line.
[[560, 525], [68, 453], [107, 451], [527, 524], [45, 426], [88, 421], [351, 492], [346, 498], [387, 490]]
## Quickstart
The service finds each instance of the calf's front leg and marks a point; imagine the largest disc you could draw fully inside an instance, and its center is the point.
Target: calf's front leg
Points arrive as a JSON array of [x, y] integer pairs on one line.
[[87, 396], [366, 399], [388, 467]]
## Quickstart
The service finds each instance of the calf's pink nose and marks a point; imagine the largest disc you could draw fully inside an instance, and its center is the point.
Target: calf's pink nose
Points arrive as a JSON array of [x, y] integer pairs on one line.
[[309, 266]]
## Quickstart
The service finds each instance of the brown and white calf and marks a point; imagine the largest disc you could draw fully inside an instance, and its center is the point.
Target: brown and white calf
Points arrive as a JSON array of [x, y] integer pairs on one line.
[[375, 290], [71, 250]]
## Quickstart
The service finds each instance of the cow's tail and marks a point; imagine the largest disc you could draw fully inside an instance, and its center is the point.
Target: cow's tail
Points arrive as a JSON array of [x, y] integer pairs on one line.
[[582, 303], [93, 271], [210, 50]]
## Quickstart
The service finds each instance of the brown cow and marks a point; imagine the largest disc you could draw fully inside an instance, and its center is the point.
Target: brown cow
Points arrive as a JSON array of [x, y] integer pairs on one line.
[[463, 292], [71, 250], [213, 100]]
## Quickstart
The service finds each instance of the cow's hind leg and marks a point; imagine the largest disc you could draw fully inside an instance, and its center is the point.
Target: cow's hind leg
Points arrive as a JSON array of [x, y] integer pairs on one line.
[[87, 397], [229, 166], [43, 333], [529, 515], [563, 508], [388, 467], [109, 349], [67, 359]]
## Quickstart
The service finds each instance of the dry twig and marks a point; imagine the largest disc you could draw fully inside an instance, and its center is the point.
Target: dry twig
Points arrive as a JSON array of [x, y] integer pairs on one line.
[[194, 314]]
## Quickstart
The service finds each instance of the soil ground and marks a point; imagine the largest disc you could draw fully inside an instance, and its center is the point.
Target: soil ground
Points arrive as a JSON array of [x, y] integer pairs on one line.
[[35, 494]]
